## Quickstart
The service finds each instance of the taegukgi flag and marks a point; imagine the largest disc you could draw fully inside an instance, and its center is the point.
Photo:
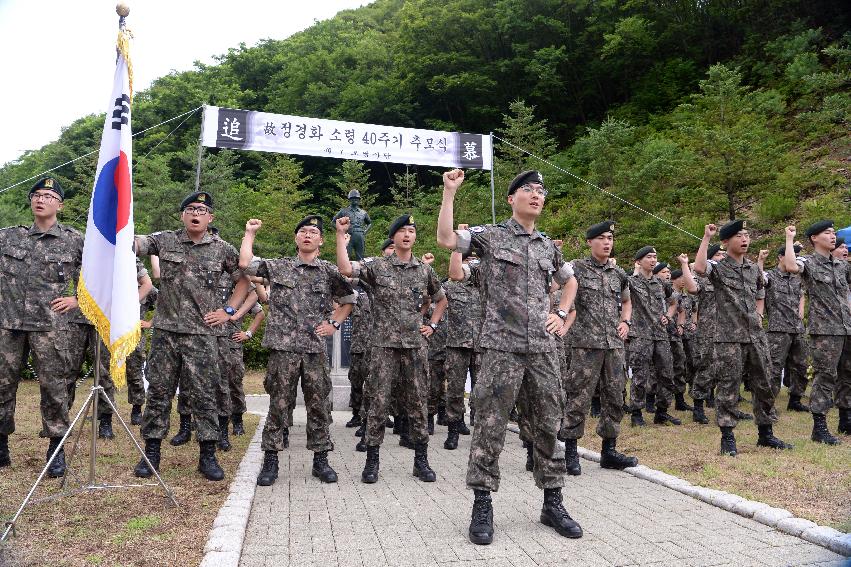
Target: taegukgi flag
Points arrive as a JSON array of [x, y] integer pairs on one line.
[[107, 290]]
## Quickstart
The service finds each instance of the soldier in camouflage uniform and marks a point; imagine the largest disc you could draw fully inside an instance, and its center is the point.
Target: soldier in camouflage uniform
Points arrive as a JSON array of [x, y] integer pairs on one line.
[[400, 284], [303, 290], [740, 342], [676, 333], [826, 281], [436, 371], [784, 308], [188, 320], [136, 361], [38, 265], [251, 306], [518, 265], [704, 342], [359, 354]]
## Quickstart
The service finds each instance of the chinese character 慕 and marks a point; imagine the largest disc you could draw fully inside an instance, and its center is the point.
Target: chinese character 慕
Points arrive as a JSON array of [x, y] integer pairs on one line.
[[470, 151]]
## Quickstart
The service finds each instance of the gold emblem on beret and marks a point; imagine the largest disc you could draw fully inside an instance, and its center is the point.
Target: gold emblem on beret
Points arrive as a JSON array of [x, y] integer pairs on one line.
[[411, 219], [48, 183], [612, 227], [201, 198], [313, 221], [744, 224]]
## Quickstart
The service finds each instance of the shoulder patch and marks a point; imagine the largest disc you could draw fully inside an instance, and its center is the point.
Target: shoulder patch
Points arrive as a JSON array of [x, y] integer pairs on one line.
[[478, 228], [712, 261]]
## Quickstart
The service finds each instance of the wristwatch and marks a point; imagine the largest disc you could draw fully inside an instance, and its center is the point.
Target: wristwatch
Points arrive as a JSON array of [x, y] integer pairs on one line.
[[334, 324], [249, 334], [562, 314], [628, 322], [229, 310], [433, 326]]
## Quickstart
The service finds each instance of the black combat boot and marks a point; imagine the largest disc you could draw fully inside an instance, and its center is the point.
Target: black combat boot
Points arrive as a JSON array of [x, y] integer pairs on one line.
[[610, 458], [481, 520], [650, 403], [5, 457], [554, 515], [728, 442], [795, 404], [530, 456], [697, 414], [680, 403], [136, 415], [238, 426], [513, 415], [571, 458], [767, 438], [451, 442], [361, 445], [472, 415], [637, 418], [422, 470], [152, 451], [821, 434], [710, 401], [595, 406], [285, 432], [57, 467], [462, 427], [844, 421], [397, 424], [184, 433], [321, 469], [269, 471], [404, 434], [223, 443], [388, 423], [430, 424], [370, 469], [105, 427], [662, 417], [361, 431], [356, 420], [441, 416], [208, 466]]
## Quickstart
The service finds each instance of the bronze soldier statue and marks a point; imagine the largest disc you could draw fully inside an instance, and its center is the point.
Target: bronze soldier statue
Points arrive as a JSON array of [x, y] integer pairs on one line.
[[360, 224]]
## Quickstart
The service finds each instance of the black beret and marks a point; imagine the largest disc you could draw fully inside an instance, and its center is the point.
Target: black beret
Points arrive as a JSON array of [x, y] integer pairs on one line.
[[48, 183], [839, 242], [197, 197], [659, 267], [712, 251], [523, 178], [731, 229], [404, 220], [676, 274], [600, 228], [819, 227], [310, 220], [386, 243], [782, 250], [644, 252]]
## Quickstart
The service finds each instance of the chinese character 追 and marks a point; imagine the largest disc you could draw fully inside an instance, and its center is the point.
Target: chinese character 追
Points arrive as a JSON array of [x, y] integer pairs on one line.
[[230, 129], [470, 151]]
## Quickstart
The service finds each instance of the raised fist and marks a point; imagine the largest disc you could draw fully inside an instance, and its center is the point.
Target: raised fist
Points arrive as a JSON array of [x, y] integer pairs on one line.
[[253, 225], [763, 254], [343, 224], [683, 259], [790, 232], [428, 258], [710, 230], [453, 179]]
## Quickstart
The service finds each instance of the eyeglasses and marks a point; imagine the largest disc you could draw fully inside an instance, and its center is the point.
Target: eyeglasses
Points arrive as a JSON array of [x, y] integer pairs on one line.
[[310, 231], [534, 188], [197, 211], [44, 197]]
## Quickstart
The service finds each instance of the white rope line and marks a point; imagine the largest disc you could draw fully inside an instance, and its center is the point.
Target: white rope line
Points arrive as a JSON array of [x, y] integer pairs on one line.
[[594, 185]]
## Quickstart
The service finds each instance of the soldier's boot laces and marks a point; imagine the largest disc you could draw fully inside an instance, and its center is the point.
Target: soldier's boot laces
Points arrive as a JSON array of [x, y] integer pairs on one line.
[[321, 469], [462, 427], [637, 418], [595, 406], [741, 415], [481, 520], [355, 421], [728, 442], [208, 466], [571, 458], [530, 456], [184, 433], [269, 471], [662, 417], [105, 427], [767, 438], [451, 442], [5, 457], [844, 421], [441, 416], [821, 434], [286, 435], [650, 403], [370, 469], [681, 404], [361, 431], [152, 451], [422, 470], [611, 458], [57, 467], [430, 424], [697, 414], [136, 415], [796, 405], [554, 515], [238, 426], [223, 443]]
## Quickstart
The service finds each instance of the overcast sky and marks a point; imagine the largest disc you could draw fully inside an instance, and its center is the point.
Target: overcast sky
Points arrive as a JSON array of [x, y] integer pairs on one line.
[[57, 57]]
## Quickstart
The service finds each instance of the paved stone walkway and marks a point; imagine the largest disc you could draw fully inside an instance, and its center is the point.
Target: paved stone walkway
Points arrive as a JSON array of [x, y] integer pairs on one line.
[[401, 521]]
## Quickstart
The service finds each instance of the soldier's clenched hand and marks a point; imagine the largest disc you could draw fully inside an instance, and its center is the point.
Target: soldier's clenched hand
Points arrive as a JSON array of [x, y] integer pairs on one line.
[[428, 258], [253, 225], [453, 179], [790, 231], [710, 230], [343, 224]]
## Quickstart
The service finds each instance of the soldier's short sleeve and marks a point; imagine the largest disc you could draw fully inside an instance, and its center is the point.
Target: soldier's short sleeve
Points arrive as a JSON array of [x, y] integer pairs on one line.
[[365, 272], [148, 245], [231, 261], [625, 294], [563, 270], [141, 270], [255, 309], [257, 268], [341, 290], [801, 261], [434, 289], [473, 240]]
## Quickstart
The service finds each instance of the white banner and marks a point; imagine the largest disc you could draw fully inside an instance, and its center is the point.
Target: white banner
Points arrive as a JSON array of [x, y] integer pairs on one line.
[[280, 133]]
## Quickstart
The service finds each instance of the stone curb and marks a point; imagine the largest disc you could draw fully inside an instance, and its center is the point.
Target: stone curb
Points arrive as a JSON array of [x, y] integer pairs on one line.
[[224, 544]]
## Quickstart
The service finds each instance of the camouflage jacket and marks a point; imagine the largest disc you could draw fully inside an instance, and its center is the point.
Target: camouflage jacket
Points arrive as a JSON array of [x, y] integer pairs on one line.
[[826, 281], [189, 278], [650, 298], [361, 322], [706, 308], [599, 296], [737, 287], [36, 268], [437, 340], [514, 278], [688, 303], [555, 301], [301, 296], [783, 294], [464, 321], [399, 290]]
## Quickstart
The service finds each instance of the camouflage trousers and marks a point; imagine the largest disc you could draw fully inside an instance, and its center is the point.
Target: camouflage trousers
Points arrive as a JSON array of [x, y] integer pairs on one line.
[[788, 362], [682, 376], [136, 373], [689, 345], [831, 372], [282, 376], [411, 365], [393, 407], [50, 362], [358, 371], [437, 385], [592, 369], [191, 360], [83, 339], [705, 365], [502, 377], [734, 360], [458, 362], [231, 369], [652, 372]]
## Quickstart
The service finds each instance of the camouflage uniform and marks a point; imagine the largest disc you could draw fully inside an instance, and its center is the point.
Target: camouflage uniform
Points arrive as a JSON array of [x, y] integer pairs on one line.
[[688, 303], [786, 339], [136, 360], [740, 342], [36, 268], [82, 338], [705, 363], [514, 279], [678, 351], [597, 352], [359, 350], [399, 350], [826, 281], [182, 343], [436, 365], [464, 321], [300, 298]]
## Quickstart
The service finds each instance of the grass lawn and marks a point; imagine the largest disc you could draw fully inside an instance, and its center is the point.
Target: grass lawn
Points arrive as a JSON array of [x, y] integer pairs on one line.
[[130, 526], [253, 382]]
